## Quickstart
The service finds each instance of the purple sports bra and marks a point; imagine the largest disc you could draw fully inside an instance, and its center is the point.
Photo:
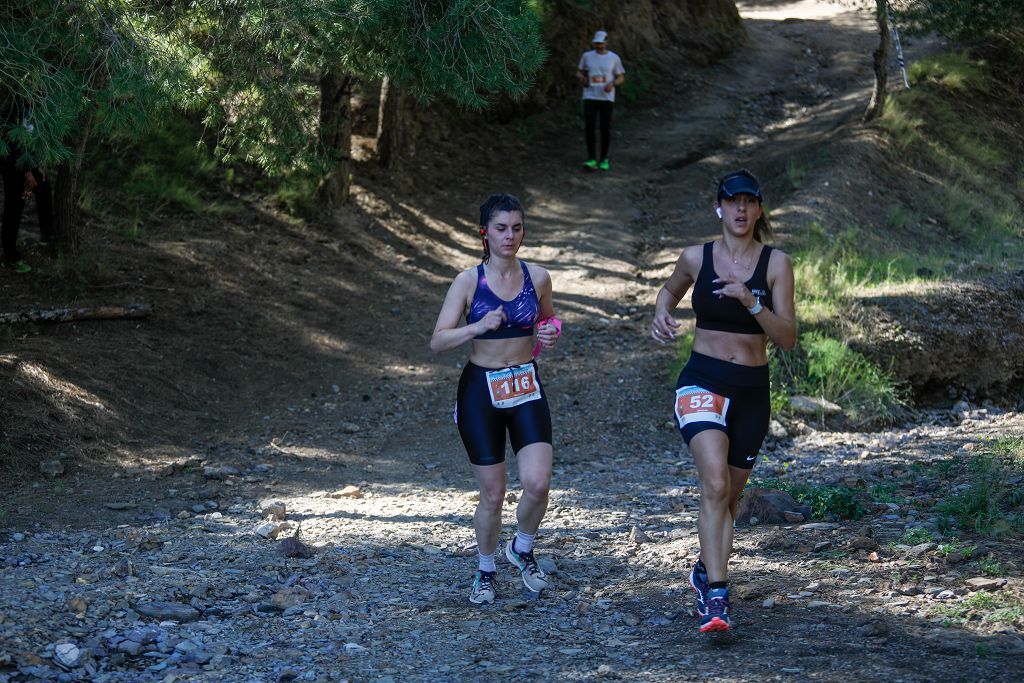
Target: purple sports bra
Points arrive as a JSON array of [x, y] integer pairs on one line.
[[521, 313]]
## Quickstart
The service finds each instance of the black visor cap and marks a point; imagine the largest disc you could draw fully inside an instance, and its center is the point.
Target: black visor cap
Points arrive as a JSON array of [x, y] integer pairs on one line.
[[739, 183]]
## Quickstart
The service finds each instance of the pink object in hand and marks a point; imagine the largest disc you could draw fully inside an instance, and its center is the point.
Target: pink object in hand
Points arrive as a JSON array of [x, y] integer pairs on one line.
[[548, 321]]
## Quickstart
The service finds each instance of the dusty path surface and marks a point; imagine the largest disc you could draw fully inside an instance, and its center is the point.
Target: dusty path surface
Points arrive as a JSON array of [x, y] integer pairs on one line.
[[169, 581]]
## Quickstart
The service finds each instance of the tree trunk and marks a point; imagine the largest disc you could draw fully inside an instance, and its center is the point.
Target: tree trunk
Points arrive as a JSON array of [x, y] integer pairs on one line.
[[66, 194], [63, 315], [391, 130], [336, 136], [877, 104]]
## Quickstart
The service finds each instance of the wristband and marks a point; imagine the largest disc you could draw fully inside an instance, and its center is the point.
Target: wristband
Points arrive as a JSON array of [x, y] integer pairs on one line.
[[554, 322], [756, 308]]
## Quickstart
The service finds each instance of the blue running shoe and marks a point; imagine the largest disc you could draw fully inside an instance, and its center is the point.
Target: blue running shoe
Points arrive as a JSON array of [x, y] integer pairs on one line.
[[699, 582], [716, 618]]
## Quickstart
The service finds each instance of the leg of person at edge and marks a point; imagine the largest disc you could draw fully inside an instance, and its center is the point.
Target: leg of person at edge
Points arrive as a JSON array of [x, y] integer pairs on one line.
[[600, 72], [21, 182], [742, 297], [507, 308]]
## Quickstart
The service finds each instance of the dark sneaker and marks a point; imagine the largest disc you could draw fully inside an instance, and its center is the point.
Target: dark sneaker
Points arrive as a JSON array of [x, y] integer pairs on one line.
[[533, 577], [18, 266], [716, 618], [590, 164], [483, 588], [699, 582]]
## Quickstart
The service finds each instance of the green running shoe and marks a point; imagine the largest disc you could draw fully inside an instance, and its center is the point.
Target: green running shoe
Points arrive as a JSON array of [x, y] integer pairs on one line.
[[18, 266], [603, 165], [590, 164]]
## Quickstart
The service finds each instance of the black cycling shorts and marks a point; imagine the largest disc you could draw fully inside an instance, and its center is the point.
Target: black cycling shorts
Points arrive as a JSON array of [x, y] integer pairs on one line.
[[483, 427], [745, 420]]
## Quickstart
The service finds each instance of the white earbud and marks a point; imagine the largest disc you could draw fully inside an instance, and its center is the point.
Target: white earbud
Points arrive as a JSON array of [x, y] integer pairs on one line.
[[718, 211]]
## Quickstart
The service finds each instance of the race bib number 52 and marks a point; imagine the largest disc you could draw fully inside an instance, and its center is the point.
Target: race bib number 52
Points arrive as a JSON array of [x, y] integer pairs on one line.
[[695, 404], [510, 387]]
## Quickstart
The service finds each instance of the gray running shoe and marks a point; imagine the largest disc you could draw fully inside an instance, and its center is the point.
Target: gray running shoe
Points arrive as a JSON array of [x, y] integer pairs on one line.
[[483, 588], [533, 577]]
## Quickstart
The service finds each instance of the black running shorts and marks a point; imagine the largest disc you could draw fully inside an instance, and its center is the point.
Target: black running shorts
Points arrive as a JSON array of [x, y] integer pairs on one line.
[[483, 427], [745, 419]]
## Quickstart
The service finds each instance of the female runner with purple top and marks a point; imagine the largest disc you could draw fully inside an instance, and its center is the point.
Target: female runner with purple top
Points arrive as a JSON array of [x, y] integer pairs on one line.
[[742, 297], [509, 317]]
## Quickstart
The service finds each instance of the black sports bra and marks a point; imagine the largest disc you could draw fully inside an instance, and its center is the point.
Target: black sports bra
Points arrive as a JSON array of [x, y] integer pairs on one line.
[[726, 314]]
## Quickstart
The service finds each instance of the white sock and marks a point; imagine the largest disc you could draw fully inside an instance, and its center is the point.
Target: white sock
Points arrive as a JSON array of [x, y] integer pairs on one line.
[[523, 542], [486, 562]]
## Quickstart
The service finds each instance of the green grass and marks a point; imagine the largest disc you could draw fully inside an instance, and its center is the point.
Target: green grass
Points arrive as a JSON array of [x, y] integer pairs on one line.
[[796, 174], [640, 82], [684, 346], [990, 567], [936, 126], [999, 608], [989, 504], [828, 368], [164, 171], [916, 537], [826, 502], [955, 546]]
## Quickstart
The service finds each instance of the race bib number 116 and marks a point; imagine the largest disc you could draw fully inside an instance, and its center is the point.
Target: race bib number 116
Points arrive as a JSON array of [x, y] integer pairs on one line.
[[511, 387], [695, 404]]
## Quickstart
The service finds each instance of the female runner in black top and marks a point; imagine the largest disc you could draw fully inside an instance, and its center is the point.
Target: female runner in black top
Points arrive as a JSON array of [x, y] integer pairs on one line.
[[742, 297], [508, 310]]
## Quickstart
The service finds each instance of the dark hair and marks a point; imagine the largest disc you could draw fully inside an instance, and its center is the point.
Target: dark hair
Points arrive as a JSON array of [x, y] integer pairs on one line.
[[746, 182], [499, 201]]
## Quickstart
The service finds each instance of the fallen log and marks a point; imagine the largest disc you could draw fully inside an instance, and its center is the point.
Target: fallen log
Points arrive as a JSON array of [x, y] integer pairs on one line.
[[64, 315]]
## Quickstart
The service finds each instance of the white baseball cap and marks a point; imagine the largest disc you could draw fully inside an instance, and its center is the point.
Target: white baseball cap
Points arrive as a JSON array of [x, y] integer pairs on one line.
[[600, 37]]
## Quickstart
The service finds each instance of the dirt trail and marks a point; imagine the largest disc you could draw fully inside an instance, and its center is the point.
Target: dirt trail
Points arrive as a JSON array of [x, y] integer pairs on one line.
[[385, 596]]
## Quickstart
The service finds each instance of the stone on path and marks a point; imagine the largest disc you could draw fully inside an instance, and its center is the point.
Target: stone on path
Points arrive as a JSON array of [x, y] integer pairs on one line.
[[637, 536], [120, 506], [77, 605], [863, 543], [769, 506], [271, 529], [289, 597], [274, 509], [812, 405], [293, 547], [776, 429], [167, 611], [123, 568], [985, 583], [67, 655], [52, 468], [220, 472], [349, 491]]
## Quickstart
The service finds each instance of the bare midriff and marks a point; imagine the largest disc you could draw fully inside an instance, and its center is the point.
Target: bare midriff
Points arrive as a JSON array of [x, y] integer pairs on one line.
[[743, 349], [502, 353]]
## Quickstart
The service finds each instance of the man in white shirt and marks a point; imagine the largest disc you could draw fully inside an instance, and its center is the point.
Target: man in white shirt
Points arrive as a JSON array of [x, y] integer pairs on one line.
[[600, 72]]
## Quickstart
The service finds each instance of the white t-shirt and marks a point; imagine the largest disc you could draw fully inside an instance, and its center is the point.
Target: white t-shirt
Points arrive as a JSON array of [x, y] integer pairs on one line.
[[600, 70]]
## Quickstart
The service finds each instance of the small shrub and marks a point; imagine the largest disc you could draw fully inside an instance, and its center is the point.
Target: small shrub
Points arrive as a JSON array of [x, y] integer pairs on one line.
[[916, 536], [990, 567], [826, 502], [827, 367], [990, 504]]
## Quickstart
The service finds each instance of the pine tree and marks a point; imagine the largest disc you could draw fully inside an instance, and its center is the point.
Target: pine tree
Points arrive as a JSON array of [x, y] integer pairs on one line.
[[70, 72], [270, 77]]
